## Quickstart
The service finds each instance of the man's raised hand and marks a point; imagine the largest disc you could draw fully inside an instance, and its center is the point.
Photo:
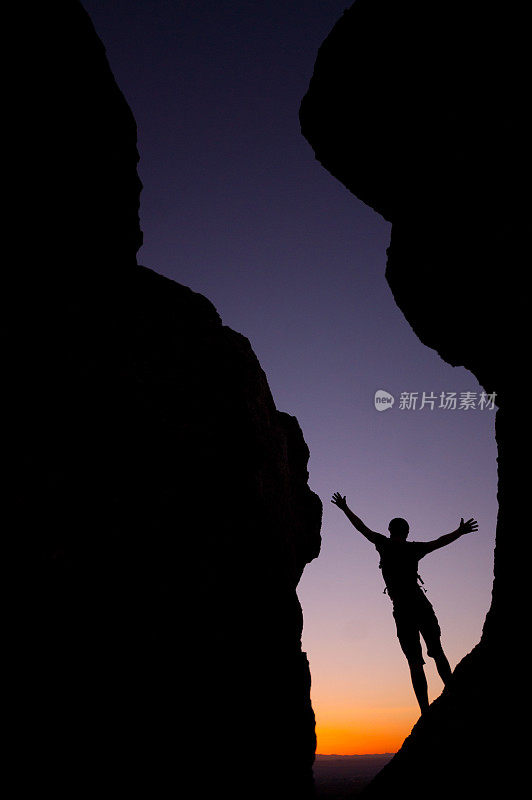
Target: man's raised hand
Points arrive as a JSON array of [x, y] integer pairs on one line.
[[339, 501], [468, 527]]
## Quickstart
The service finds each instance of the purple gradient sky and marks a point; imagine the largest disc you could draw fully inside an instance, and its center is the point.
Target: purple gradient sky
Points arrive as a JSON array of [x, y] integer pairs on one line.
[[235, 206]]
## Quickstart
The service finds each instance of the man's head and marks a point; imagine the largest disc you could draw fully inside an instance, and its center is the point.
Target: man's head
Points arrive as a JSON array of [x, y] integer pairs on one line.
[[398, 528]]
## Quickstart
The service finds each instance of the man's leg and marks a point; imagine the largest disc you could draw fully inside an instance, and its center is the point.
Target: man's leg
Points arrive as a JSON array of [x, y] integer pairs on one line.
[[408, 634], [430, 630], [442, 665], [419, 682]]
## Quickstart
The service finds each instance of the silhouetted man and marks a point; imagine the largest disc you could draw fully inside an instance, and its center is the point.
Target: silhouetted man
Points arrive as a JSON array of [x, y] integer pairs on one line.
[[412, 611]]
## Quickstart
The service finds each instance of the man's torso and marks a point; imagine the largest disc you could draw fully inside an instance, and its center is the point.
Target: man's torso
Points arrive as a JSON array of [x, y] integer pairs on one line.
[[399, 565]]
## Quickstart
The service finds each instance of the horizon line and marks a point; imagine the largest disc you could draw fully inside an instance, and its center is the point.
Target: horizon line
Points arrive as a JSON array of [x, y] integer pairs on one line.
[[350, 755]]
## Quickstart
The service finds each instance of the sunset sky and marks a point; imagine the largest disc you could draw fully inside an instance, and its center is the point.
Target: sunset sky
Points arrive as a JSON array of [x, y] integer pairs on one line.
[[236, 207]]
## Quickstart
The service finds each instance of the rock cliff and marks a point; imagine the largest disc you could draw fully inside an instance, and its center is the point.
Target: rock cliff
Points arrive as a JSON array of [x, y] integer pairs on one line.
[[162, 512], [417, 109]]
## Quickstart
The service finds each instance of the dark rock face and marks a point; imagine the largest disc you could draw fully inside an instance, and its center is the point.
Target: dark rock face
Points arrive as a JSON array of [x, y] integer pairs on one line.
[[416, 111], [415, 108], [162, 512]]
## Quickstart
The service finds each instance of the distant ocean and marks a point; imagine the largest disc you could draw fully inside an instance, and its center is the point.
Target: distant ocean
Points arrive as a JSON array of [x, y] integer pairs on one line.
[[342, 777]]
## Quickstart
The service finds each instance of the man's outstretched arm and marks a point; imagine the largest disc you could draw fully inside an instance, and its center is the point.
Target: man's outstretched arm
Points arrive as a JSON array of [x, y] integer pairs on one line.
[[340, 501], [465, 527]]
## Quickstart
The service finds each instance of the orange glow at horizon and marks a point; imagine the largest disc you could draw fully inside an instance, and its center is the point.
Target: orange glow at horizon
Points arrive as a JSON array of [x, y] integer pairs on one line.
[[381, 730]]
